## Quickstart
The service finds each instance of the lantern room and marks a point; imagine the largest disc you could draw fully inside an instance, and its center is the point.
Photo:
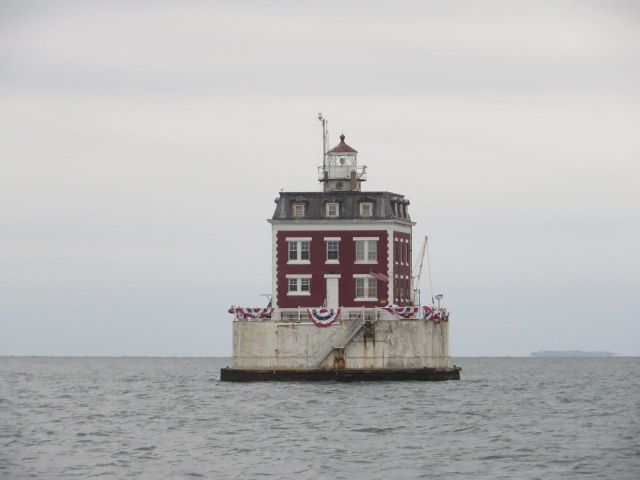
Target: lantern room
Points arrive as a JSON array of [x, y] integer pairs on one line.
[[340, 171]]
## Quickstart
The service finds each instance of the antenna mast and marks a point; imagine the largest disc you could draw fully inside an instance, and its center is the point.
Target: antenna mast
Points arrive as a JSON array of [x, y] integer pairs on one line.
[[324, 122], [417, 272]]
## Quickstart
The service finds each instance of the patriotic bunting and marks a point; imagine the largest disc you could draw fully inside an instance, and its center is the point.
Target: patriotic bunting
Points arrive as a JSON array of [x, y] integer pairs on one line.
[[402, 312], [323, 317], [436, 315], [251, 313]]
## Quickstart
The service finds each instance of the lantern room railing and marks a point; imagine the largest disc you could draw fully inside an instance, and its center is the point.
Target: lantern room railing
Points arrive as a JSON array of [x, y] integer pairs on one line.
[[342, 172]]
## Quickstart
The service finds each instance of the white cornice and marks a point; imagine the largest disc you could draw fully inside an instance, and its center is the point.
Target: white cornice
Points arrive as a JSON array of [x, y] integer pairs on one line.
[[323, 225]]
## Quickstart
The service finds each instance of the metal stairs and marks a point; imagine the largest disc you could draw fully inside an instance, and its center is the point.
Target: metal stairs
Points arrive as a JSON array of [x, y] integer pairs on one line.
[[338, 344]]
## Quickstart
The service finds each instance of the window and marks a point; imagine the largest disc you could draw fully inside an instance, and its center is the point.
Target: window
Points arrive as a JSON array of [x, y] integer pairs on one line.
[[366, 209], [298, 250], [332, 209], [299, 284], [298, 209], [366, 288], [366, 250], [332, 250]]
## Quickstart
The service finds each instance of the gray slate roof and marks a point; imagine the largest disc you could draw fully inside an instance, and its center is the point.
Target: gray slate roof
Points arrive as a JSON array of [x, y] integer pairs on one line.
[[383, 205]]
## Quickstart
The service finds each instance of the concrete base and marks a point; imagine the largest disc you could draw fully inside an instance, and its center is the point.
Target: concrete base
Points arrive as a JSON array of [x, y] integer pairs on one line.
[[391, 344], [340, 375]]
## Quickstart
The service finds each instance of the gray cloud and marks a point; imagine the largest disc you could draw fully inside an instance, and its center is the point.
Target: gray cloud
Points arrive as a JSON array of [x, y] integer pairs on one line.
[[143, 144]]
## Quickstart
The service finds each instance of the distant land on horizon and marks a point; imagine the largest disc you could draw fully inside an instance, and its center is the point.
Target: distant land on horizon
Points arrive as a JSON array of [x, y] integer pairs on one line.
[[571, 353]]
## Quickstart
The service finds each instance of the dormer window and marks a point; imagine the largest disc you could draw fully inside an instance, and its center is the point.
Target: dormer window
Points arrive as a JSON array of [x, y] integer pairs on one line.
[[366, 209], [298, 209], [332, 209]]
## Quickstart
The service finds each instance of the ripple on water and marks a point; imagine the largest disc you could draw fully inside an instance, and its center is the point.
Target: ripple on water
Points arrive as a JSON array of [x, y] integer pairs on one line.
[[170, 418]]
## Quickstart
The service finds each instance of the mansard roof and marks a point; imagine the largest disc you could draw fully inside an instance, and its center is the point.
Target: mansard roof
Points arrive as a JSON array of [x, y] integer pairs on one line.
[[342, 147], [384, 206]]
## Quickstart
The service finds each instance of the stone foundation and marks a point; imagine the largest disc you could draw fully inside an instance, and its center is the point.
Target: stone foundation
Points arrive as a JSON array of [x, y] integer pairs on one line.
[[392, 344]]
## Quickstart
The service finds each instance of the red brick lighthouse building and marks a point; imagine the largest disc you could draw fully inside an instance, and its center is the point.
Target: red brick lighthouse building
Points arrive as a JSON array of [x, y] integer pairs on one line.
[[343, 305], [341, 247]]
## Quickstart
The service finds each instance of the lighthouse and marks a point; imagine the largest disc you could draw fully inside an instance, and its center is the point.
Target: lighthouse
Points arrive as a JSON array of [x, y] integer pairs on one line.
[[344, 304], [342, 246]]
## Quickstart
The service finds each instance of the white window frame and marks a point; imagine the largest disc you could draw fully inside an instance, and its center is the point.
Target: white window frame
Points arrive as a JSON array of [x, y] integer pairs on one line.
[[366, 250], [362, 208], [298, 241], [368, 282], [326, 242], [294, 209], [329, 206], [300, 280]]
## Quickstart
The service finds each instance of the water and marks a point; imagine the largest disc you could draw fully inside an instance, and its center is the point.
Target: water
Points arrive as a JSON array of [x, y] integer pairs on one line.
[[152, 418]]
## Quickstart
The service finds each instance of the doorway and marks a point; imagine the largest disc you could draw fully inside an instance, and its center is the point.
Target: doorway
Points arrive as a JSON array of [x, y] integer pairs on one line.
[[333, 290]]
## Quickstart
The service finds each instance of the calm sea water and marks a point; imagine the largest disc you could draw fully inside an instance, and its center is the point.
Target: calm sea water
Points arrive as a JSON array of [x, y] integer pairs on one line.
[[155, 418]]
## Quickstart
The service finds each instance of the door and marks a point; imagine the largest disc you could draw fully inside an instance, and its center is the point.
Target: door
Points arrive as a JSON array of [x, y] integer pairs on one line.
[[333, 299]]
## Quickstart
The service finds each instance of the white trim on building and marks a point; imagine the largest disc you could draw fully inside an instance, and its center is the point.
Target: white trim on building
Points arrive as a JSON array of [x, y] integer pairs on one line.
[[365, 244], [302, 284], [369, 283], [340, 225], [299, 250], [274, 268]]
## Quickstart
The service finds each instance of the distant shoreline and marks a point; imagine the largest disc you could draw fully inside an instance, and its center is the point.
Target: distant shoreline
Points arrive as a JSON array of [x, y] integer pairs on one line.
[[571, 353]]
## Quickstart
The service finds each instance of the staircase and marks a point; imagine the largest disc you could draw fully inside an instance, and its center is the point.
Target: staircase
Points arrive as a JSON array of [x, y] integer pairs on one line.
[[338, 344]]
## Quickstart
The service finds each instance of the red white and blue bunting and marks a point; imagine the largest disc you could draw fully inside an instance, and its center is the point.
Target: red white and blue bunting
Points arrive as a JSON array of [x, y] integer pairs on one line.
[[247, 313], [323, 317], [402, 312], [436, 315]]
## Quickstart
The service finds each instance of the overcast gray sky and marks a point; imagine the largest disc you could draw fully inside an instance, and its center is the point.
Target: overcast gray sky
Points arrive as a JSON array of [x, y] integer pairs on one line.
[[142, 145]]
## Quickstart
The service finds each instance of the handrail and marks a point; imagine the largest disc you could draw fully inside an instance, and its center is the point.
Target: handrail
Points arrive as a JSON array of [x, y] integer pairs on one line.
[[325, 349], [329, 345]]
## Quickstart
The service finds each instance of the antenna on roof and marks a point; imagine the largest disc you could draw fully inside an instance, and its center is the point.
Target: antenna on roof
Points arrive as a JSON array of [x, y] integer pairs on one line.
[[324, 122]]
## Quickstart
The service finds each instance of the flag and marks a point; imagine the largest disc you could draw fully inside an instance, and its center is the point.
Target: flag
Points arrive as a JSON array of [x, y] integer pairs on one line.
[[379, 276]]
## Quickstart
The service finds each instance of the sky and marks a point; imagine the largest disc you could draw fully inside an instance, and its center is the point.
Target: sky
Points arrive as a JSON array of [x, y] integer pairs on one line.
[[142, 145]]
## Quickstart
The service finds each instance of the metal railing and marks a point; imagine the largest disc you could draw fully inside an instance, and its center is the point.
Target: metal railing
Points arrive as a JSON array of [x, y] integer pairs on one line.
[[301, 314], [332, 343], [342, 172]]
